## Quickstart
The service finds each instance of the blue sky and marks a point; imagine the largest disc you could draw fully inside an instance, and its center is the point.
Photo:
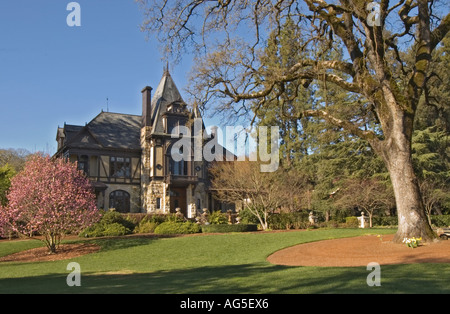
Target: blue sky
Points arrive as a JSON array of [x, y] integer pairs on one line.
[[51, 74]]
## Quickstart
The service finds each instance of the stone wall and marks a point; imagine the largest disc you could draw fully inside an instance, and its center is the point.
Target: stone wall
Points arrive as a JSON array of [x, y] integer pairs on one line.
[[154, 191]]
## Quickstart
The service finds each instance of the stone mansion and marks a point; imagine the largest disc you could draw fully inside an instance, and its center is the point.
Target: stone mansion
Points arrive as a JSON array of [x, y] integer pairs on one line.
[[127, 157]]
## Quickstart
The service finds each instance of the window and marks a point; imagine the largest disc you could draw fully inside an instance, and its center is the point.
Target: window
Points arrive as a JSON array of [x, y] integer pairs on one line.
[[172, 127], [158, 203], [179, 168], [120, 167], [83, 164], [120, 201]]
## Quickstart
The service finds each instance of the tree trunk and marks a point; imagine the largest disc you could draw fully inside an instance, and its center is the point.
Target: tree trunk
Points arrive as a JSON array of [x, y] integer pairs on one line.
[[52, 243], [397, 121], [412, 220]]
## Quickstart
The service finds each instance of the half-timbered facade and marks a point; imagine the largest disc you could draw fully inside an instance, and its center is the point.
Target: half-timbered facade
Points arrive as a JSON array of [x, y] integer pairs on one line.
[[128, 157]]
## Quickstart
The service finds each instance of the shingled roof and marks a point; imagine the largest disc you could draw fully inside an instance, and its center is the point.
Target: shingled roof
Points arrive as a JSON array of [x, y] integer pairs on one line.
[[106, 130], [165, 94]]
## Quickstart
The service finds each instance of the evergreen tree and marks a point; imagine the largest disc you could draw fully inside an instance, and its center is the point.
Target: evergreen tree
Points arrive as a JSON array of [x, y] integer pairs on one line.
[[288, 100], [313, 148], [6, 173]]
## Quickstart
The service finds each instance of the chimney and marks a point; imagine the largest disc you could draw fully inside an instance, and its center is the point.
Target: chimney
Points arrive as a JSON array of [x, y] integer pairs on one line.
[[146, 106]]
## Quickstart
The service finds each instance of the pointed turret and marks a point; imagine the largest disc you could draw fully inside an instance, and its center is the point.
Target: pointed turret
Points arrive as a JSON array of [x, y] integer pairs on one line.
[[166, 92], [165, 95]]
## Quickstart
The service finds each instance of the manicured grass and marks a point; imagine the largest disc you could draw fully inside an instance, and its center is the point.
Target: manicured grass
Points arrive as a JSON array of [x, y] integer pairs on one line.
[[226, 263]]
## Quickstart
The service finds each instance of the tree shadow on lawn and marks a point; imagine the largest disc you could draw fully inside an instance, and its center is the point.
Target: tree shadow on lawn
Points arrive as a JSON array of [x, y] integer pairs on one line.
[[122, 242], [118, 243], [240, 279]]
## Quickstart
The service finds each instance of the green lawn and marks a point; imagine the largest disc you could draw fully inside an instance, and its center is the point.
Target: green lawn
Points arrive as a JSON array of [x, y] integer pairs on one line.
[[226, 263]]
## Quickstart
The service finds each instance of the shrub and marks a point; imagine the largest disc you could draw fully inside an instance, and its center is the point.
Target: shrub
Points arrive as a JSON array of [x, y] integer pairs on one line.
[[146, 227], [328, 224], [148, 223], [218, 218], [111, 217], [247, 217], [351, 222], [114, 230], [173, 227], [173, 218], [222, 228], [158, 218], [289, 220], [135, 218], [92, 232], [111, 224]]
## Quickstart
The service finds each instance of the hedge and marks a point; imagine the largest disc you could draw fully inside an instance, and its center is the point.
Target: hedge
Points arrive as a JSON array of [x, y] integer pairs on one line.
[[111, 224], [440, 220], [221, 228], [385, 221], [289, 220], [351, 222], [172, 227], [436, 220]]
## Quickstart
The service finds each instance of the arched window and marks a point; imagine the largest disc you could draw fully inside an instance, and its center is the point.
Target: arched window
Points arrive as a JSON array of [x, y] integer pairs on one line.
[[120, 200]]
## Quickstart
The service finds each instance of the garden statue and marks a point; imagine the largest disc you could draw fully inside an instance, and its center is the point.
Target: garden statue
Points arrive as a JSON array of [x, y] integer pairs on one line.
[[205, 216], [230, 217], [362, 221], [178, 213], [312, 219]]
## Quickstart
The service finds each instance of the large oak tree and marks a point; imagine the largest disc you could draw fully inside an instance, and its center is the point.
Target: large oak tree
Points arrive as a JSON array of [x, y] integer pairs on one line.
[[229, 38]]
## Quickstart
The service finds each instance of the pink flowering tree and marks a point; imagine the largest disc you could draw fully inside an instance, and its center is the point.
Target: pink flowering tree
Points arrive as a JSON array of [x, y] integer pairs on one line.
[[49, 198]]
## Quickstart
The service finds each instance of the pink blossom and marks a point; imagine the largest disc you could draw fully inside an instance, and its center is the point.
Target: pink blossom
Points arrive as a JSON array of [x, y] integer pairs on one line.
[[50, 197]]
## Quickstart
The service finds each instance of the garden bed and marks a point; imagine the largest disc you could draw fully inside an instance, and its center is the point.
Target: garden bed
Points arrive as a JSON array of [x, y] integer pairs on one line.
[[41, 254]]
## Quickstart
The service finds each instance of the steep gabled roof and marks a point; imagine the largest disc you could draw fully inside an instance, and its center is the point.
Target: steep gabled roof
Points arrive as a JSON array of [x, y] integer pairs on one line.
[[84, 139], [107, 130]]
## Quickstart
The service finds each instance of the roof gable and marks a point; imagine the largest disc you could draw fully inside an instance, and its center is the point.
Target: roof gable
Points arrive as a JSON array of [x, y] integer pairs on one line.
[[84, 139], [106, 130]]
